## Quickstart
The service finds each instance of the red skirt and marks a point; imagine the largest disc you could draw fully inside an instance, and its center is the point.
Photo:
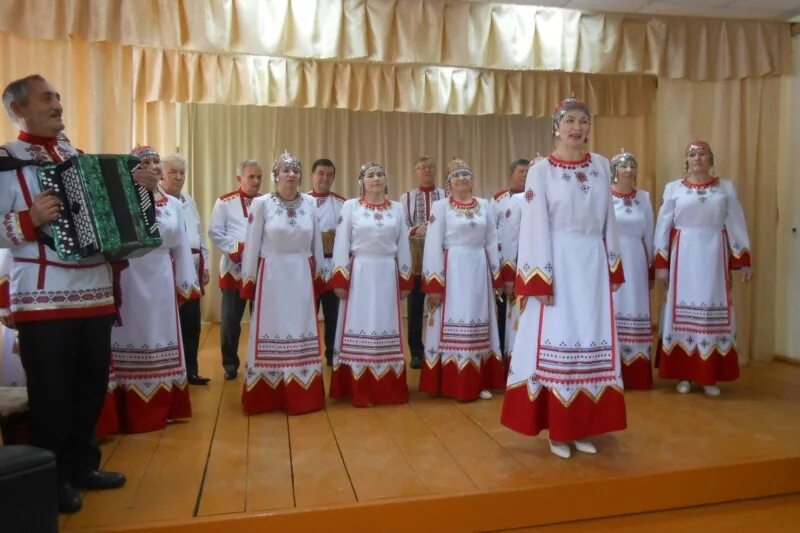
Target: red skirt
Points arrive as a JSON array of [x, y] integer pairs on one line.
[[638, 375], [463, 384], [365, 390], [580, 419], [677, 364], [137, 415], [292, 397]]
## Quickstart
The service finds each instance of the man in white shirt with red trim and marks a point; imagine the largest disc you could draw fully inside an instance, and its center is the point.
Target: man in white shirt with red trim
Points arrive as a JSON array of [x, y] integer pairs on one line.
[[64, 311], [329, 204], [173, 178], [417, 208], [227, 231]]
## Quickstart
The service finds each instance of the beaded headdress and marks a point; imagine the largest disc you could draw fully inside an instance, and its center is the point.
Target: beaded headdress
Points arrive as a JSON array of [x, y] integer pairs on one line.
[[568, 104], [458, 167], [367, 167], [622, 159], [142, 151], [286, 160], [697, 144]]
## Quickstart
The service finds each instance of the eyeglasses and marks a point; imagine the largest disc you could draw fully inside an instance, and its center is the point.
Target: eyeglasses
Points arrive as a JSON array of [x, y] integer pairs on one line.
[[426, 167]]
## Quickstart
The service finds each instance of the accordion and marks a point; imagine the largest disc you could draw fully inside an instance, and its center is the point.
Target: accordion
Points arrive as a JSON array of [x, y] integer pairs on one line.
[[104, 213]]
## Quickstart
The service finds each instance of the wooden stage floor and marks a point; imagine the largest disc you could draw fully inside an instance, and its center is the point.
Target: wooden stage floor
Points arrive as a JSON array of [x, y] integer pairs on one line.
[[222, 470]]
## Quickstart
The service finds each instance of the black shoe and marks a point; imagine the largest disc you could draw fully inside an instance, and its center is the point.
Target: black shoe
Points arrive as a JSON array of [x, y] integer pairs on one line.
[[69, 499], [230, 374], [416, 363], [100, 480], [194, 379]]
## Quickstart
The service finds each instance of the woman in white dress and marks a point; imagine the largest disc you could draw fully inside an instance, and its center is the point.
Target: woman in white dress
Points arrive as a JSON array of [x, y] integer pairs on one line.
[[701, 235], [281, 274], [565, 369], [371, 275], [148, 369], [460, 272], [634, 214]]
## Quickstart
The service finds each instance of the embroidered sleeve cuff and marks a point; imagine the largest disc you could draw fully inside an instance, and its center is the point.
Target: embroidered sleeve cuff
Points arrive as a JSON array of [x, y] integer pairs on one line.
[[193, 294], [509, 271], [248, 290], [497, 281], [236, 256], [740, 260], [433, 284], [617, 274], [340, 279], [412, 231], [406, 283], [662, 260], [535, 285]]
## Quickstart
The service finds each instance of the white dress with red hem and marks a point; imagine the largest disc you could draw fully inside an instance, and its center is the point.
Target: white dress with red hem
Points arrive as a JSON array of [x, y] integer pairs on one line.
[[462, 346], [280, 271], [148, 372], [700, 236], [634, 214], [372, 260], [565, 368]]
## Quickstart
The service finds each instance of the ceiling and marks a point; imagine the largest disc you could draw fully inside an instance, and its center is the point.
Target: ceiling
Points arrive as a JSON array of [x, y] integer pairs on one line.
[[787, 10]]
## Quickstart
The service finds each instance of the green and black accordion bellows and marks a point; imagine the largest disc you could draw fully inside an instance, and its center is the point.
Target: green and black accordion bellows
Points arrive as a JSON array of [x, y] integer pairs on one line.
[[105, 212]]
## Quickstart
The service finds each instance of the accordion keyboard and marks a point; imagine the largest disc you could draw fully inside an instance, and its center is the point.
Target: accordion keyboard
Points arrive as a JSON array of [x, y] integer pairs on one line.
[[148, 211], [78, 234]]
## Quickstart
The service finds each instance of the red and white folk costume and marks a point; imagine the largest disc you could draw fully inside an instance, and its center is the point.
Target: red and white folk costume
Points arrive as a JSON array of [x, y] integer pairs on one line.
[[148, 367], [281, 273], [462, 346], [634, 214], [501, 204], [227, 231], [565, 370], [700, 236], [194, 233], [371, 259], [43, 286], [328, 208]]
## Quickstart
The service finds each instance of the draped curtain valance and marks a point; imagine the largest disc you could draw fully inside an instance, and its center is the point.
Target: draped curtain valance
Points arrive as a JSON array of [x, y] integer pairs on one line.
[[172, 76], [421, 32]]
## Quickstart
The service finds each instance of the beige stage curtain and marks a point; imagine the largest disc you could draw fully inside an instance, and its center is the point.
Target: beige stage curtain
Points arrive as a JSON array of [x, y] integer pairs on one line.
[[787, 289], [173, 76], [432, 32], [215, 138], [95, 82], [740, 119]]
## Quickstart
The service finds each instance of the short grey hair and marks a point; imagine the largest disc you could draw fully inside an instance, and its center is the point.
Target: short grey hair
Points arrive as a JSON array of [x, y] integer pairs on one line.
[[247, 163], [17, 91], [175, 160]]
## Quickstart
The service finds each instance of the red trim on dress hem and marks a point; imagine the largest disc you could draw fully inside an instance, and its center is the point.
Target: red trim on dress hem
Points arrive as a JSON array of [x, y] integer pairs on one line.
[[366, 391], [677, 364], [290, 397], [582, 418], [638, 375]]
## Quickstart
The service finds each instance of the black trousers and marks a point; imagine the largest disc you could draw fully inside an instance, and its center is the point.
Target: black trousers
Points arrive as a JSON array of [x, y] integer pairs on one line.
[[231, 327], [502, 306], [189, 314], [330, 312], [415, 307], [66, 362]]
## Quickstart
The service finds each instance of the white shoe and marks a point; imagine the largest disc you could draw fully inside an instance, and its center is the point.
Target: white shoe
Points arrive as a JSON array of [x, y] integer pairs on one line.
[[560, 449], [711, 390], [684, 387], [584, 446], [485, 395]]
